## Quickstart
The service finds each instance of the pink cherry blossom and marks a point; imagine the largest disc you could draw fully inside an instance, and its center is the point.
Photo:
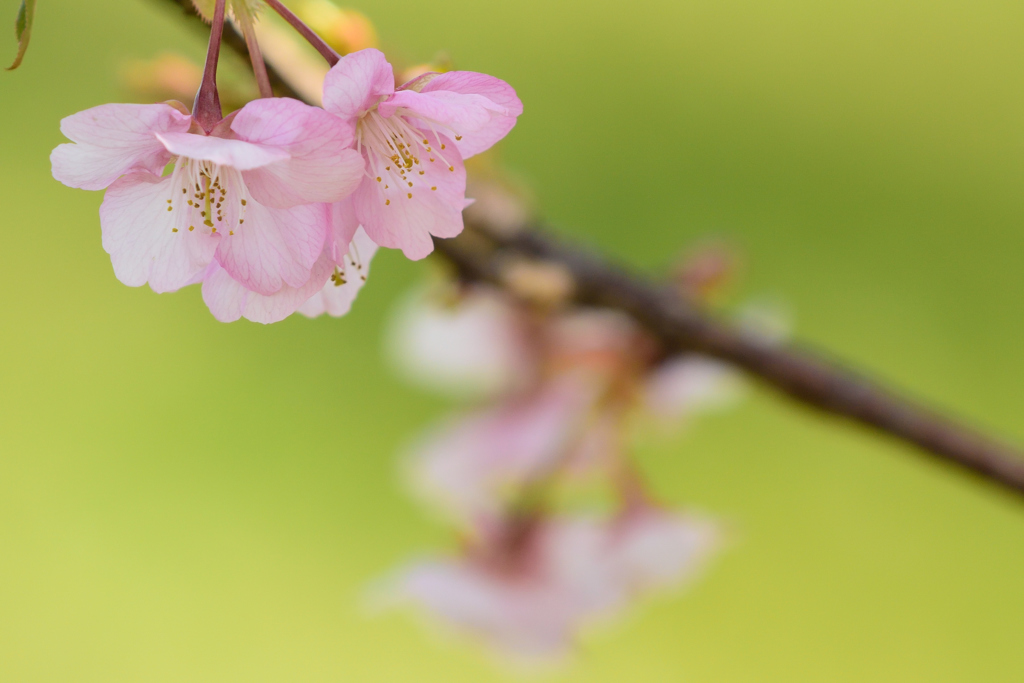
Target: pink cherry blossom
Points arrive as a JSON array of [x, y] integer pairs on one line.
[[601, 340], [240, 202], [531, 592], [468, 463], [528, 601], [414, 140], [335, 279], [689, 384], [349, 251], [653, 549], [475, 347]]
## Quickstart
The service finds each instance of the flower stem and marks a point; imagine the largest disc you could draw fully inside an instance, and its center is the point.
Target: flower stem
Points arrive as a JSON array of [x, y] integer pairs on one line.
[[207, 110], [259, 67], [306, 32]]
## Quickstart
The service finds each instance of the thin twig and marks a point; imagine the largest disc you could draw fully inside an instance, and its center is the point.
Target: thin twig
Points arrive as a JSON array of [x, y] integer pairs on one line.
[[259, 65], [796, 372], [325, 50], [236, 41]]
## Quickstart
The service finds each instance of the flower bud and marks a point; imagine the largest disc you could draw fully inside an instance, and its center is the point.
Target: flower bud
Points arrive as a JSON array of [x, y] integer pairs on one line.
[[171, 76], [502, 206], [167, 77], [706, 272], [345, 30], [543, 283]]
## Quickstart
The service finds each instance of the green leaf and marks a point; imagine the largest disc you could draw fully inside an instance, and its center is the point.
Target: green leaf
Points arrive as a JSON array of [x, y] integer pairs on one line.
[[23, 30]]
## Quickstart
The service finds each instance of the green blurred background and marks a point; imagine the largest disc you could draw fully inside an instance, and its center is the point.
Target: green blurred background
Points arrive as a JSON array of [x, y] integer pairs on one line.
[[182, 500]]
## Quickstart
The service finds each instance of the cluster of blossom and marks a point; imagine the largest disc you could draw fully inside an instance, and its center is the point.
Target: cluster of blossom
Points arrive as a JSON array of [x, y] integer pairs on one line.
[[556, 396], [279, 206]]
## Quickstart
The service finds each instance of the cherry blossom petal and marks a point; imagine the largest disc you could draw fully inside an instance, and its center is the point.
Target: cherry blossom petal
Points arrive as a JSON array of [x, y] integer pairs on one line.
[[475, 349], [146, 242], [561, 581], [113, 139], [238, 154], [275, 247], [448, 109], [343, 222], [229, 300], [357, 82], [336, 299], [524, 619], [656, 549], [690, 384], [494, 89], [321, 166], [464, 466], [392, 218]]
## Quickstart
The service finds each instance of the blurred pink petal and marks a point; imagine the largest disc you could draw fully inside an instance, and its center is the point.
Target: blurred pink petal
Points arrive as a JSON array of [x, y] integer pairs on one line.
[[476, 347], [655, 549], [468, 463], [534, 609], [569, 573], [690, 384], [594, 336]]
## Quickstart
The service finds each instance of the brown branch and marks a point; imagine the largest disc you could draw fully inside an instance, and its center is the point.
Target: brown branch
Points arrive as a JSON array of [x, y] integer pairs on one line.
[[799, 373], [796, 372]]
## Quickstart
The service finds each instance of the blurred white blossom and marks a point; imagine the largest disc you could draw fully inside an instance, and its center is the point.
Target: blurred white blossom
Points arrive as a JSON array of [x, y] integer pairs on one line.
[[472, 349]]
